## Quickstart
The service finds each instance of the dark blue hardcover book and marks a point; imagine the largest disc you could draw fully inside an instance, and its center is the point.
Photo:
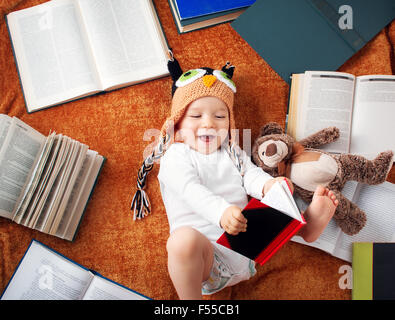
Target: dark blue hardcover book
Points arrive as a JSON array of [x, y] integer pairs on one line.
[[300, 35], [188, 9]]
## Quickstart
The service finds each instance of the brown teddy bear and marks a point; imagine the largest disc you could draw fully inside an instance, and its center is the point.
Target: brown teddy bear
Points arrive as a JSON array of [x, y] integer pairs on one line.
[[280, 155]]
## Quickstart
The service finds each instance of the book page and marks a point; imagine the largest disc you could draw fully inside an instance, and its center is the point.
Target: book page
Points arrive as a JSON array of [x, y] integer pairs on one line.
[[46, 275], [45, 204], [69, 185], [373, 129], [279, 199], [82, 192], [20, 214], [59, 186], [18, 156], [43, 180], [103, 289], [378, 202], [5, 123], [327, 101], [39, 216], [53, 61], [76, 192], [127, 44]]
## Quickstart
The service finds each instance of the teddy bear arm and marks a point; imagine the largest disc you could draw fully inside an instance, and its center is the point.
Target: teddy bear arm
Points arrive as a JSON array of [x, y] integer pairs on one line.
[[321, 138]]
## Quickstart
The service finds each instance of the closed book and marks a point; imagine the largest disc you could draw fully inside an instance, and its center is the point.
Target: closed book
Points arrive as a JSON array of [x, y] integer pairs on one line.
[[271, 222], [373, 266], [295, 36], [188, 9]]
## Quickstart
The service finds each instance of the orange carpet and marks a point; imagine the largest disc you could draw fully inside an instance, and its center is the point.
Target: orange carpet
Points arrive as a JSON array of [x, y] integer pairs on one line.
[[133, 253]]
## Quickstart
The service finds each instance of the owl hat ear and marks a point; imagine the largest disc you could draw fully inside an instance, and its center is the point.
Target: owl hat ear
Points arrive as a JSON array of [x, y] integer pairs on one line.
[[174, 69], [228, 69]]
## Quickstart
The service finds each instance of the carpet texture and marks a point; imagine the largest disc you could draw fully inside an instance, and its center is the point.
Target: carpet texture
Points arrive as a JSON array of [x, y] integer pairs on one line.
[[133, 253]]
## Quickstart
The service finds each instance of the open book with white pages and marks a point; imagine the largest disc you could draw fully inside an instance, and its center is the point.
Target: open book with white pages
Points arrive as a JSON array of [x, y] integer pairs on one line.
[[377, 201], [44, 274], [45, 182], [362, 108], [69, 49]]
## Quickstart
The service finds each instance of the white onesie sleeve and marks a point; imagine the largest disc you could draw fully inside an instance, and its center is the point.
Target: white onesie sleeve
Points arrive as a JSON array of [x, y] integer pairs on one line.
[[254, 177]]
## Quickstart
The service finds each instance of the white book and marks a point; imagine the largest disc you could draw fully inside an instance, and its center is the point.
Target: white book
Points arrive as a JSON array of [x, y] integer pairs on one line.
[[45, 182], [363, 108], [44, 274], [69, 49], [378, 202]]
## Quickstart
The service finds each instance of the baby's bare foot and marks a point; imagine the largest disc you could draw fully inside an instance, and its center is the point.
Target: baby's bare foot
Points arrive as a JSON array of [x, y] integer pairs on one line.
[[319, 213], [321, 192]]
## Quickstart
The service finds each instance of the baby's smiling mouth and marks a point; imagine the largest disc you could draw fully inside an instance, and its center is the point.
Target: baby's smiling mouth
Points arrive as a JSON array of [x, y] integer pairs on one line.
[[207, 138]]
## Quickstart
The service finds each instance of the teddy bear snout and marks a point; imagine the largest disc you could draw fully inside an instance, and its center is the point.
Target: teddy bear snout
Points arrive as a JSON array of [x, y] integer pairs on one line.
[[271, 149]]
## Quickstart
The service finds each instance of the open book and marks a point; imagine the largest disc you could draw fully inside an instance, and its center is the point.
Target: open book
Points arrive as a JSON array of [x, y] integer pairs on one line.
[[44, 274], [271, 223], [45, 182], [378, 202], [69, 49], [363, 108]]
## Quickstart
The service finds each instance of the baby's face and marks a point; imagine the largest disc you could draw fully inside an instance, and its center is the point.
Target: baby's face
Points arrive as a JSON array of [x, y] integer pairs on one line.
[[205, 125]]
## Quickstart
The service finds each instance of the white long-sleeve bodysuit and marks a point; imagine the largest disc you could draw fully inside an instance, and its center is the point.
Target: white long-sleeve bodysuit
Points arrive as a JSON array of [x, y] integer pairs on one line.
[[196, 189]]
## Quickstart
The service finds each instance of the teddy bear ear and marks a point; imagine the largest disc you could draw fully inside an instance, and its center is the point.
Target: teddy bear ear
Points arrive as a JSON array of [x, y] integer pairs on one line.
[[271, 128]]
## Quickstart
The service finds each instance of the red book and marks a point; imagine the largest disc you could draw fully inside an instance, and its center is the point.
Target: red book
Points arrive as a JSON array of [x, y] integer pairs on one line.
[[270, 224]]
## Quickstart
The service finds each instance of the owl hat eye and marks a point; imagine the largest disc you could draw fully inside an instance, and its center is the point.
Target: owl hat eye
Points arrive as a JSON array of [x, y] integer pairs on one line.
[[224, 77], [190, 76]]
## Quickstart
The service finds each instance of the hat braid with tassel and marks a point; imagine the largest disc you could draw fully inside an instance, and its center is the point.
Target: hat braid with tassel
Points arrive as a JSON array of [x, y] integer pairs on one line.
[[188, 87]]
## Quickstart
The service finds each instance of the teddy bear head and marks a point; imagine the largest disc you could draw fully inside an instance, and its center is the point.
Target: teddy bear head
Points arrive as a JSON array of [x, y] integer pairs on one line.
[[272, 148]]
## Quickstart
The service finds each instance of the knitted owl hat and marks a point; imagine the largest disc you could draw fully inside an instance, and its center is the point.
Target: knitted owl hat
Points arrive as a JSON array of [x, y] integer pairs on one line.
[[188, 87]]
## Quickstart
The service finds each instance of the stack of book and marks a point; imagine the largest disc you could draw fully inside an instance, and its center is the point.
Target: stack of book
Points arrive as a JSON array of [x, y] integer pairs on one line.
[[191, 15], [45, 182]]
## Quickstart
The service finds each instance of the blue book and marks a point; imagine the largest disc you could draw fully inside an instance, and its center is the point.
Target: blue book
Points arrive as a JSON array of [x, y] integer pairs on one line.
[[200, 22], [188, 9], [44, 274], [299, 35]]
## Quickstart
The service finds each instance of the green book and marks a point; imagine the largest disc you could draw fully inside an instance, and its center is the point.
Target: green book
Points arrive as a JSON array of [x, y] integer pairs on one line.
[[373, 266]]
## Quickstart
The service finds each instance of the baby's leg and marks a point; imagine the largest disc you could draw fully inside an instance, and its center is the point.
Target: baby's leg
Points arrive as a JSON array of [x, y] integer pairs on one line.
[[318, 214], [190, 258]]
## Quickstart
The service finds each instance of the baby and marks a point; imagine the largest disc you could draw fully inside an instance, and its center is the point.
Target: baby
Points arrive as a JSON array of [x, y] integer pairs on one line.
[[205, 180]]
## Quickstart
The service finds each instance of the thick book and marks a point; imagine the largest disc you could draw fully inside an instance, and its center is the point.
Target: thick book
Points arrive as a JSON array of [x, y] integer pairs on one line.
[[70, 49], [271, 222], [44, 274], [377, 201], [363, 108], [295, 36], [205, 20], [373, 271], [46, 181]]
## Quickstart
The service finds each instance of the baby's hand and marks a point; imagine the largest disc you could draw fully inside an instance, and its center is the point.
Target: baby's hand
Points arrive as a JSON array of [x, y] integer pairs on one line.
[[271, 182], [233, 221]]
